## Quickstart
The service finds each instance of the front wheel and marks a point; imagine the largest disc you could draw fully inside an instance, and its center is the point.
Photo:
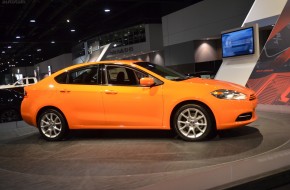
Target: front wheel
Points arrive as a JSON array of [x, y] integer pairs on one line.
[[52, 125], [194, 122]]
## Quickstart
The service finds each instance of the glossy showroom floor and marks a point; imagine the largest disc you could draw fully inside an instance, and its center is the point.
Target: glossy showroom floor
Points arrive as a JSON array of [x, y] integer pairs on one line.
[[142, 159]]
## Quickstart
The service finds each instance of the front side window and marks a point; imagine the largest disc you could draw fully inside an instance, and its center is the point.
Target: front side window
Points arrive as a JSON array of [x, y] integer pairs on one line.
[[118, 75], [125, 76]]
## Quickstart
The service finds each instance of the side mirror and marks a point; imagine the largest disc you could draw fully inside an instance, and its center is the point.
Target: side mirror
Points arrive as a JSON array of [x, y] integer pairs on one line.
[[147, 82]]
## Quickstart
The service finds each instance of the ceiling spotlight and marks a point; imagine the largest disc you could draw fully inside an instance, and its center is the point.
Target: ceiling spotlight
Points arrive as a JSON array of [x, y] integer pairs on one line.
[[107, 10], [53, 42], [38, 49], [32, 20], [17, 37], [9, 47], [3, 51], [29, 55], [67, 20], [72, 30]]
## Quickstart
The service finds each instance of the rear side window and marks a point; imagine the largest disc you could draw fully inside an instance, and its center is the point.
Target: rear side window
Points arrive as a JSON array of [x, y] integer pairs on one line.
[[85, 75], [89, 75], [61, 78]]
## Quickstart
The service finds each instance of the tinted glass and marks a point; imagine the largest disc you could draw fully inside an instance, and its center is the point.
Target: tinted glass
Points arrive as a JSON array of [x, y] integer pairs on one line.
[[61, 78], [162, 71], [118, 75], [85, 75]]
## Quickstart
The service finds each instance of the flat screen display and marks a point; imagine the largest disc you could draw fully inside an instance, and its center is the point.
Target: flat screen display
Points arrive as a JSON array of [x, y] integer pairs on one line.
[[239, 42]]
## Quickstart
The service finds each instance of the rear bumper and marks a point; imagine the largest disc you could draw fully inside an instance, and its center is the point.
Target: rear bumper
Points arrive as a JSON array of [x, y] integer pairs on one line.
[[26, 113]]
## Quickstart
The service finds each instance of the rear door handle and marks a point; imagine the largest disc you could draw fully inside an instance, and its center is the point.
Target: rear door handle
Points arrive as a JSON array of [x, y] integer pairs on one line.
[[110, 92], [64, 91]]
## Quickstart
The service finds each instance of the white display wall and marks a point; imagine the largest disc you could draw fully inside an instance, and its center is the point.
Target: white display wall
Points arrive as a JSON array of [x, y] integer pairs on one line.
[[239, 69]]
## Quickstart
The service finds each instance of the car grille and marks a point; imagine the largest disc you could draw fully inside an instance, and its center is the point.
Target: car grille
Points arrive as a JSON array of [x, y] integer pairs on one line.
[[253, 97]]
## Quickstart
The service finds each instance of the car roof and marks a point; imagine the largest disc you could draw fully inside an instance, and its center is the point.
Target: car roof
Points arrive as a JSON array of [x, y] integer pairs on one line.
[[113, 62], [117, 62]]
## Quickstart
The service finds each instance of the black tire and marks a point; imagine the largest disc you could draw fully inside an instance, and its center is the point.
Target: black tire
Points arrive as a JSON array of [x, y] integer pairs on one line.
[[9, 115], [194, 122], [52, 125]]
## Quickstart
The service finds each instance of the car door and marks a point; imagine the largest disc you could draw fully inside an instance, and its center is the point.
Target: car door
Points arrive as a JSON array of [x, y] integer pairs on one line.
[[80, 98], [126, 103]]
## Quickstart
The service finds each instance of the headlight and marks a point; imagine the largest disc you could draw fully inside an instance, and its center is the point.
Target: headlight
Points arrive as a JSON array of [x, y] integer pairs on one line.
[[229, 94]]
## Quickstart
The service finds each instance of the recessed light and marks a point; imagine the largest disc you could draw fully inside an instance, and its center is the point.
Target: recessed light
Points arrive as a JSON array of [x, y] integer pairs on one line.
[[38, 50], [67, 20], [3, 51], [107, 10], [29, 55], [32, 20], [53, 42], [17, 37], [72, 30], [9, 47]]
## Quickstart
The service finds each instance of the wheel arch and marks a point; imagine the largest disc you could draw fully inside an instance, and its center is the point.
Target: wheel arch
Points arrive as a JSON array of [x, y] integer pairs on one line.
[[49, 107], [191, 102]]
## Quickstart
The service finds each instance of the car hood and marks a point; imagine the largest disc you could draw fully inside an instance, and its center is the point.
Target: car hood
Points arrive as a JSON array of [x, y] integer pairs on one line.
[[218, 84]]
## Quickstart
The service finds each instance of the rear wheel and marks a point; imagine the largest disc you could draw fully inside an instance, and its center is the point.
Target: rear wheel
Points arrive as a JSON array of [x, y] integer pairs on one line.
[[52, 125], [194, 122]]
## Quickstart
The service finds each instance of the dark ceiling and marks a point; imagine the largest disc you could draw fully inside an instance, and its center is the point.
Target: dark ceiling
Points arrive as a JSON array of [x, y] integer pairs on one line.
[[24, 43]]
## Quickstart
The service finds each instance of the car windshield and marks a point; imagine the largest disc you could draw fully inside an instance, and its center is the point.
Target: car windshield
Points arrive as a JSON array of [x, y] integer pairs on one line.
[[162, 71]]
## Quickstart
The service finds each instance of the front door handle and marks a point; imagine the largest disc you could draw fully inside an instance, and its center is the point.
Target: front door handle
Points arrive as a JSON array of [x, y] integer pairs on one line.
[[110, 92]]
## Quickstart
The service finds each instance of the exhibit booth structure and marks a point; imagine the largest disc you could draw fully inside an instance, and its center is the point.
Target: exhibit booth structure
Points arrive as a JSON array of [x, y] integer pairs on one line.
[[268, 72], [271, 75], [255, 156]]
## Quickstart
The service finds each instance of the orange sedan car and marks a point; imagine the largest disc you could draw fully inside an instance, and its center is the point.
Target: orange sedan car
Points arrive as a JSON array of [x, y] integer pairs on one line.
[[135, 95]]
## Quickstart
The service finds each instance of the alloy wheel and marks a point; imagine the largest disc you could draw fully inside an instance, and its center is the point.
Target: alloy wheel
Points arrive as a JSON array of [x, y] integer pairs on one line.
[[192, 123]]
